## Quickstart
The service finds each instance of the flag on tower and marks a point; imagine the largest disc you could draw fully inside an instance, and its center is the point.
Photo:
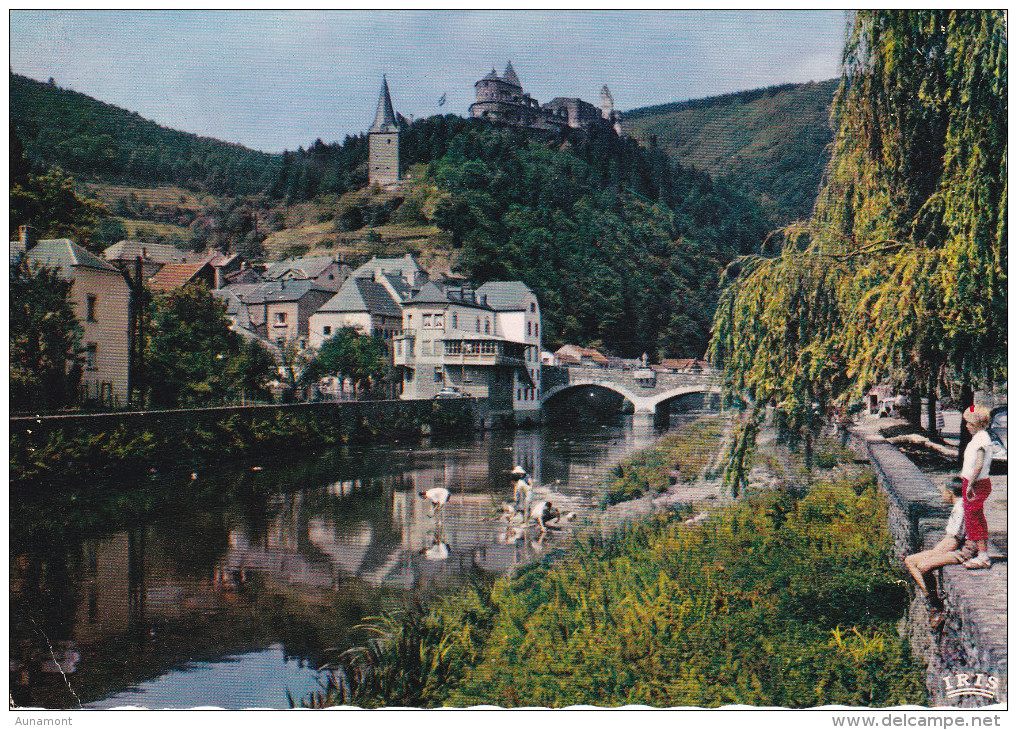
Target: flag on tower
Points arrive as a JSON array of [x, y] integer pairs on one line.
[[441, 101]]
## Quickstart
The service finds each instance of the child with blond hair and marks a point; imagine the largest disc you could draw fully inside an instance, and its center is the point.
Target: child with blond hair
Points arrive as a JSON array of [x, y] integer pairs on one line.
[[975, 483]]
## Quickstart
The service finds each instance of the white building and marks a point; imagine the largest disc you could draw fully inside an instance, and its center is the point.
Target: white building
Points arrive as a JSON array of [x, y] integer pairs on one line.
[[484, 342]]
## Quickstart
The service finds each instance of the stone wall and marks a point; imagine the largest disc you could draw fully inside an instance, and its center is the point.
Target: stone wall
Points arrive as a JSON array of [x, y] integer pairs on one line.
[[374, 412], [972, 641]]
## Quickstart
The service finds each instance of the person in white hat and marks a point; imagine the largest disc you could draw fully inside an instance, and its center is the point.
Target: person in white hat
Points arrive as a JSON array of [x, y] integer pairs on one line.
[[522, 490]]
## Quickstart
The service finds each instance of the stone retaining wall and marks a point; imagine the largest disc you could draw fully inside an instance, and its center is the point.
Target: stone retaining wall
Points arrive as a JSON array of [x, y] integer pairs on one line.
[[160, 421], [973, 639]]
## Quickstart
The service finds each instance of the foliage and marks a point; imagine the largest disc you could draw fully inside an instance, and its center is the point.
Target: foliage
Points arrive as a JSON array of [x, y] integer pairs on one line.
[[53, 459], [685, 452], [620, 246], [349, 353], [901, 272], [773, 602], [45, 339], [770, 143], [194, 359], [47, 200], [100, 141]]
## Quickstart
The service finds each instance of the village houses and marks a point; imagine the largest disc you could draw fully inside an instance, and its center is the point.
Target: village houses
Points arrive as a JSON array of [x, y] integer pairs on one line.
[[101, 301]]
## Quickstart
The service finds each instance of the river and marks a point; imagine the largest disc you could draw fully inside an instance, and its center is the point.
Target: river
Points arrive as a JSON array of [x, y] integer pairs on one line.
[[232, 588]]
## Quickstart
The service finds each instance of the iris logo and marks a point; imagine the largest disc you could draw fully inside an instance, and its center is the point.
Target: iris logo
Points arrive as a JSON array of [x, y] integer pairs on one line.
[[979, 684]]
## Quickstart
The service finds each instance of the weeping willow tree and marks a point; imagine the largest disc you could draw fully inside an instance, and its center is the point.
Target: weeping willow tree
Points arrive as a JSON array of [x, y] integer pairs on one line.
[[900, 274]]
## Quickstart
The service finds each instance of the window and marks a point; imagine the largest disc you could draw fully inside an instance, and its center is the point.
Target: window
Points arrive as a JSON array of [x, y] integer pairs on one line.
[[536, 330], [439, 322], [455, 321], [478, 324], [426, 349], [409, 376], [91, 356], [280, 317], [331, 277], [326, 330], [409, 321], [487, 326], [399, 348], [533, 306], [519, 394], [427, 320], [529, 329], [90, 316], [439, 374]]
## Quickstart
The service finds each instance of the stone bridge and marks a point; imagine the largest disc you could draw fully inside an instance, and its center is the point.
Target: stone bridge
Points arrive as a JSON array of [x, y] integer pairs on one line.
[[644, 393]]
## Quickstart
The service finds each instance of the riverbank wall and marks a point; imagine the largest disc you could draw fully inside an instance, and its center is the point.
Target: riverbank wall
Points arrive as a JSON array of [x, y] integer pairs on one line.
[[971, 645], [53, 449]]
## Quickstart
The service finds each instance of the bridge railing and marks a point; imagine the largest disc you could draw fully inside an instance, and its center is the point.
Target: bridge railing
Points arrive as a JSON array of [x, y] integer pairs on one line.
[[573, 373]]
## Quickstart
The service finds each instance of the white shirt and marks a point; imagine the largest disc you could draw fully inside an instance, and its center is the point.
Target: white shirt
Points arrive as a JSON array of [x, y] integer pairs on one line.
[[979, 442], [955, 525]]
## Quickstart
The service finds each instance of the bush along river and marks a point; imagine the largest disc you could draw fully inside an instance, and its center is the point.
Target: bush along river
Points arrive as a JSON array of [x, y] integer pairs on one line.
[[232, 586]]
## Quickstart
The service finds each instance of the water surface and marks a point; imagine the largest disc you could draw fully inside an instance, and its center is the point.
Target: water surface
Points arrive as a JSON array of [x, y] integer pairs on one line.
[[233, 588]]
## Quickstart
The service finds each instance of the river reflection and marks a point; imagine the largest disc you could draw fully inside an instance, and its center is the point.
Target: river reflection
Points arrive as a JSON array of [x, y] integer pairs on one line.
[[232, 601]]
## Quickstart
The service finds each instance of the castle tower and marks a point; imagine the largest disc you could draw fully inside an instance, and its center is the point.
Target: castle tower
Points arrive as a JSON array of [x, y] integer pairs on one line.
[[383, 140], [607, 110], [606, 103]]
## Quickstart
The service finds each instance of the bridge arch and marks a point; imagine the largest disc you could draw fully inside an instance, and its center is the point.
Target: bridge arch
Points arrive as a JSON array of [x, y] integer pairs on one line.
[[624, 392], [670, 395]]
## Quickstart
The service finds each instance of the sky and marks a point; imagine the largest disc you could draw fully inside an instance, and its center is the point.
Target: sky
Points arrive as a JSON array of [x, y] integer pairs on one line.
[[275, 80]]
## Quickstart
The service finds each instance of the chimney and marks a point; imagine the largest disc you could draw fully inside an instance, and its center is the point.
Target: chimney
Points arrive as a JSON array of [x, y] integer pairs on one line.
[[28, 236]]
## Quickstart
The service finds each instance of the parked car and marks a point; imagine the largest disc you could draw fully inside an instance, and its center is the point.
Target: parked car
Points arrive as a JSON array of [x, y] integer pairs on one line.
[[450, 392], [997, 432]]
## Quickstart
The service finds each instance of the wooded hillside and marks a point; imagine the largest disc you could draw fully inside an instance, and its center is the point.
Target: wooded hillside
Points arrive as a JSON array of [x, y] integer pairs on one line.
[[771, 143]]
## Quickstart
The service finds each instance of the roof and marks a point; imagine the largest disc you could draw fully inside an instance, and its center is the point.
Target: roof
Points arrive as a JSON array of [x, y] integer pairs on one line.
[[280, 290], [506, 295], [63, 254], [510, 75], [159, 253], [429, 294], [400, 284], [406, 266], [305, 268], [362, 295], [384, 117], [234, 306], [289, 291], [173, 276]]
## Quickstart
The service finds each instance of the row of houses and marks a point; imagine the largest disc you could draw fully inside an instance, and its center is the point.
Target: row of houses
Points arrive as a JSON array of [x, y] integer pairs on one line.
[[484, 342]]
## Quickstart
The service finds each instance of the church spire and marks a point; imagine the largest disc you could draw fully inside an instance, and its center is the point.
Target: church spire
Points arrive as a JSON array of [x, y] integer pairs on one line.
[[384, 118]]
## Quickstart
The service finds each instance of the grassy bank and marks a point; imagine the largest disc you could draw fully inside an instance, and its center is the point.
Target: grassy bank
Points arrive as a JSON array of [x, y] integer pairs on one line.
[[775, 601]]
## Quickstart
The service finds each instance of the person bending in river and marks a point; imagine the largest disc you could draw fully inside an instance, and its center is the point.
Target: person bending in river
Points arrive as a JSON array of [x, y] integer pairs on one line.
[[976, 484], [951, 550]]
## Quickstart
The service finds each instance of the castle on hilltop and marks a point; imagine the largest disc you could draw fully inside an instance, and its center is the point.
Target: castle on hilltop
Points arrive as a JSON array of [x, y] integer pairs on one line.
[[499, 99], [502, 99]]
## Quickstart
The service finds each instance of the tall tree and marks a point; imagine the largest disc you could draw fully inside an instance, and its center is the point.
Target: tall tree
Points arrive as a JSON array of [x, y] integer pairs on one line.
[[901, 271], [45, 339], [350, 354], [194, 359]]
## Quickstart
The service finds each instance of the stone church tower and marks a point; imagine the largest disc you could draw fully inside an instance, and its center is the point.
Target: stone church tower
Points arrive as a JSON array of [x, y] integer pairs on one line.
[[383, 139]]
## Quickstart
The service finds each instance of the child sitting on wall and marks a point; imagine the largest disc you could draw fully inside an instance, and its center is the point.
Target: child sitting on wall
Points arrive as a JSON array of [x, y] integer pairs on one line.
[[951, 550]]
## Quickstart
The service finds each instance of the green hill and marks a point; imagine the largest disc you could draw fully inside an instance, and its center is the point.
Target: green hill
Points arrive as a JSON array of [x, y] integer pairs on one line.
[[771, 143], [101, 142]]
